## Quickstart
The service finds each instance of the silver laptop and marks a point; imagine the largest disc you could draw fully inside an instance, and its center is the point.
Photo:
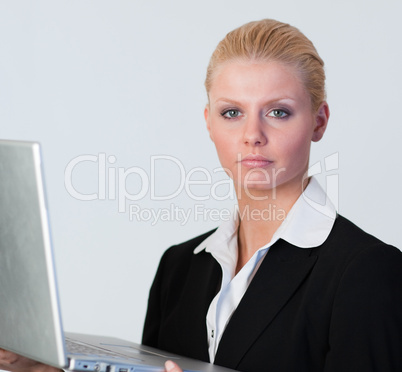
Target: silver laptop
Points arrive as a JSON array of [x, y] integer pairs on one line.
[[30, 318]]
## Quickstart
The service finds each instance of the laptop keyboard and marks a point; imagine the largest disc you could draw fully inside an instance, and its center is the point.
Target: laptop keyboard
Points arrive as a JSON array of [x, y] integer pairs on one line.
[[78, 348]]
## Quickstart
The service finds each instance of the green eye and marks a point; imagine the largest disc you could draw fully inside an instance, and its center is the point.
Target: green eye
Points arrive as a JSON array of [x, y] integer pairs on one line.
[[231, 114], [278, 113]]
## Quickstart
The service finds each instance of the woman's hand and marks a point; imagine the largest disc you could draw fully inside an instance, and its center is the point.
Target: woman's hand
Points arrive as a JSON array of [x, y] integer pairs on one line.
[[172, 367], [16, 363]]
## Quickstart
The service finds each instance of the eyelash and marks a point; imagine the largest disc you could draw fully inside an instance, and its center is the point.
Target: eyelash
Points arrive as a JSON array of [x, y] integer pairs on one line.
[[284, 112], [230, 117]]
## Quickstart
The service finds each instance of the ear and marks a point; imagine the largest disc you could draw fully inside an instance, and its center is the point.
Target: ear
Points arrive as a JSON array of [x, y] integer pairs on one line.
[[321, 121], [207, 120]]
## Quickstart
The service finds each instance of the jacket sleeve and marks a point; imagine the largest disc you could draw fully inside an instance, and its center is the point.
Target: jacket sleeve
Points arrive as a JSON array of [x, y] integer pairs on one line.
[[153, 315], [366, 324]]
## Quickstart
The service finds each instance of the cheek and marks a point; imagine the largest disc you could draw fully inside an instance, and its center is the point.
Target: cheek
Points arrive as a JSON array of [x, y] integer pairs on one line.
[[225, 145], [295, 148], [300, 146]]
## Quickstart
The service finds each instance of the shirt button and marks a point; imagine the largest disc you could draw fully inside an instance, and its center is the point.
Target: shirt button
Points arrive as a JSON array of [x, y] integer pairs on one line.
[[212, 334]]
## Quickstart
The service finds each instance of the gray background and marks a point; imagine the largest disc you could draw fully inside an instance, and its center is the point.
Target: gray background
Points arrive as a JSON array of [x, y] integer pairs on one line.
[[125, 78]]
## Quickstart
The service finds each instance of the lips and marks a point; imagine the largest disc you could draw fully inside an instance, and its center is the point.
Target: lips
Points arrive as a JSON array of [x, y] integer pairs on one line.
[[255, 161]]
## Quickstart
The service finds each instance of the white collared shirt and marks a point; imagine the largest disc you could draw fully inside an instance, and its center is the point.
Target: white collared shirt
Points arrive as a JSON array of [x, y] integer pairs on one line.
[[307, 225]]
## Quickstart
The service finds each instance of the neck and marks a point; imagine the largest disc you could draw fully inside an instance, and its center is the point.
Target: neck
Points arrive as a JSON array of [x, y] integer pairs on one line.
[[261, 213]]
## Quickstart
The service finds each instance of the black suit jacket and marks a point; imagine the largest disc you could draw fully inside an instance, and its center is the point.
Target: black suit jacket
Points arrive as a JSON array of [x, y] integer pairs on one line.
[[333, 308]]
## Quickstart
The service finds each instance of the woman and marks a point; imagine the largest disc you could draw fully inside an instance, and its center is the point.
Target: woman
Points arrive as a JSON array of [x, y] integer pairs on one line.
[[301, 289]]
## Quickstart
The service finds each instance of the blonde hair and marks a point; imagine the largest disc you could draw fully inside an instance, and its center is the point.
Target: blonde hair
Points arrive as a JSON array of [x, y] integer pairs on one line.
[[270, 40]]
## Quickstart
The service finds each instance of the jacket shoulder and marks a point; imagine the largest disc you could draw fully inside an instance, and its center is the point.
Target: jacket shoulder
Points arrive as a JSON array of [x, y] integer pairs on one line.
[[185, 250], [350, 250], [348, 239]]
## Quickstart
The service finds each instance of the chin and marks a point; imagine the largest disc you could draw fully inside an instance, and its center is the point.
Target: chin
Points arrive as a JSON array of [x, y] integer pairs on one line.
[[256, 186]]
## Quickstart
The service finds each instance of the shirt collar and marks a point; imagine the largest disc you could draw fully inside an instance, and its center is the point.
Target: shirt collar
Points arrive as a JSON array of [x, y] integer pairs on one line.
[[307, 225]]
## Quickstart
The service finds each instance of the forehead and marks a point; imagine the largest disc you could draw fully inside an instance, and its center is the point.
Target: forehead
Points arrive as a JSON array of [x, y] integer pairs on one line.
[[250, 80]]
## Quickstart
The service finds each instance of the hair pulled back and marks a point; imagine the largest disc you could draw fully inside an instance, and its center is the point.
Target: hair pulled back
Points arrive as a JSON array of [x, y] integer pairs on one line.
[[270, 40]]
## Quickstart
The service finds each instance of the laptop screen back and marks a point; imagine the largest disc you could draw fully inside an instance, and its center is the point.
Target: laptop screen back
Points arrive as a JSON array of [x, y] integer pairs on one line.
[[30, 322]]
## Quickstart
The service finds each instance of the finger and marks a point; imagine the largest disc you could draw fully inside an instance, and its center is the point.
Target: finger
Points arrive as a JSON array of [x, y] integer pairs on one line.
[[172, 367], [7, 357]]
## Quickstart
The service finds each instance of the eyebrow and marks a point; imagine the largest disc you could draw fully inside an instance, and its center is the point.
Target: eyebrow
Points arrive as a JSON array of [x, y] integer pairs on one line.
[[268, 102]]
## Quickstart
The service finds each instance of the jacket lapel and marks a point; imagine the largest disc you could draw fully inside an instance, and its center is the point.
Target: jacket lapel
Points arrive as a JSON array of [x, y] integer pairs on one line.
[[201, 287], [278, 278]]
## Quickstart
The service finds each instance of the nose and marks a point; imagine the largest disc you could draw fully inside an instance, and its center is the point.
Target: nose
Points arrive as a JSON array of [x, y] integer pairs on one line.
[[254, 134]]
